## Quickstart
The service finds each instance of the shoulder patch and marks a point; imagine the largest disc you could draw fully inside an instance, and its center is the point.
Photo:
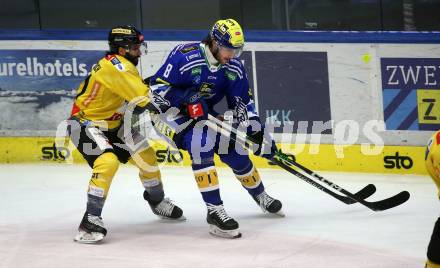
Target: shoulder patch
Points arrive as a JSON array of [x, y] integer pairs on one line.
[[188, 49], [117, 63]]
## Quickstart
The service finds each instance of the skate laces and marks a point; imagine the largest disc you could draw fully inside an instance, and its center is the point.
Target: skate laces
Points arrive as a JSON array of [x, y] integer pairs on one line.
[[265, 200], [219, 211], [96, 220], [165, 207]]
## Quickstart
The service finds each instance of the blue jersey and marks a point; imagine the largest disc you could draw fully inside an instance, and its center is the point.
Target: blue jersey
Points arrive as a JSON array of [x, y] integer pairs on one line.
[[187, 68]]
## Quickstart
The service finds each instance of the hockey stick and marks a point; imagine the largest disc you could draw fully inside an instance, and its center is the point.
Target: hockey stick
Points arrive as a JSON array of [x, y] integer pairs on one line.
[[364, 193], [281, 160]]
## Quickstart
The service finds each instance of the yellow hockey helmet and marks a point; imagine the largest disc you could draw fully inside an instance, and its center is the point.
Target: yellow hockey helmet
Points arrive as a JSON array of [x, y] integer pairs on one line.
[[228, 33]]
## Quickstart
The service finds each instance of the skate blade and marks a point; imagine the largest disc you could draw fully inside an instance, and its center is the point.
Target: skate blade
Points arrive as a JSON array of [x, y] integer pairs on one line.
[[280, 213], [231, 234], [182, 218], [88, 238]]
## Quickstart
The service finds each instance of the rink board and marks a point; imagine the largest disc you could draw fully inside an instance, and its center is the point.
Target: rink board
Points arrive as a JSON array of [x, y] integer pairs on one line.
[[385, 84], [329, 157]]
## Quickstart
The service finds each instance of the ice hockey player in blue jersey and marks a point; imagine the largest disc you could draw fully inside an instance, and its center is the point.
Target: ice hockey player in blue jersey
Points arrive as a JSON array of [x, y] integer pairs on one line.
[[194, 78]]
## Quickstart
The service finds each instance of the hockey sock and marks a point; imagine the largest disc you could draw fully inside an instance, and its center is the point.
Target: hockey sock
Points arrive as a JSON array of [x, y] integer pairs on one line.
[[434, 246], [154, 189], [104, 169], [207, 181], [149, 174], [250, 179]]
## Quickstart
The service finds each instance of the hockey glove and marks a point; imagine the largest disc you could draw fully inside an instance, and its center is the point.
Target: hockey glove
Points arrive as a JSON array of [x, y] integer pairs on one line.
[[266, 145], [196, 106]]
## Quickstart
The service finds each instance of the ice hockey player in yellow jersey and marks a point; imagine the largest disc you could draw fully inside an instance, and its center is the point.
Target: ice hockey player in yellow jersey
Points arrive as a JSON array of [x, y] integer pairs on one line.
[[96, 127], [433, 167]]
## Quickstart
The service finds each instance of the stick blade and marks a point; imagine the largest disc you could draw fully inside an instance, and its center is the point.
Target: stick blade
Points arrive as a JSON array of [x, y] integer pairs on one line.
[[390, 202], [364, 193]]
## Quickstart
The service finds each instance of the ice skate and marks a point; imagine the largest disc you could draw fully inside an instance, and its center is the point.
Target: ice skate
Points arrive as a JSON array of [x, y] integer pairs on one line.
[[91, 229], [165, 209], [269, 204], [220, 224]]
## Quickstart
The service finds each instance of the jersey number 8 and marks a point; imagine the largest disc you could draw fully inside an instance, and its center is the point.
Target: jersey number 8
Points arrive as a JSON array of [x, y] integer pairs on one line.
[[167, 70]]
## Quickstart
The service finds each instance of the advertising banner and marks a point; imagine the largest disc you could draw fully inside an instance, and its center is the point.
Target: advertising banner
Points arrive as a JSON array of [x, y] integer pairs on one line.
[[293, 87], [392, 159], [411, 93], [37, 86]]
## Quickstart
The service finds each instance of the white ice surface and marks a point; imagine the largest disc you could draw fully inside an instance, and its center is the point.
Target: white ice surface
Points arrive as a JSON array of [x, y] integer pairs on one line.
[[42, 205]]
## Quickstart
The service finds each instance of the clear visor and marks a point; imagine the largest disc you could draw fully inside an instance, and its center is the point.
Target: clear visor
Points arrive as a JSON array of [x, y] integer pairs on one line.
[[142, 47], [235, 52]]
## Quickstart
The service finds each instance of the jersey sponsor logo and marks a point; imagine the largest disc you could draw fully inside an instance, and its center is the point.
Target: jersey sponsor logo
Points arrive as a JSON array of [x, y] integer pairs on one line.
[[118, 64], [196, 80], [210, 77], [230, 75], [115, 116], [397, 161], [195, 97], [186, 50], [55, 153], [195, 110], [190, 57], [206, 90], [214, 69], [96, 67], [196, 71], [120, 67], [169, 156]]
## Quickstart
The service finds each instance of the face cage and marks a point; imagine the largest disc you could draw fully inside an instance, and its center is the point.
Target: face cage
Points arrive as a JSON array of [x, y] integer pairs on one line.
[[236, 52]]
